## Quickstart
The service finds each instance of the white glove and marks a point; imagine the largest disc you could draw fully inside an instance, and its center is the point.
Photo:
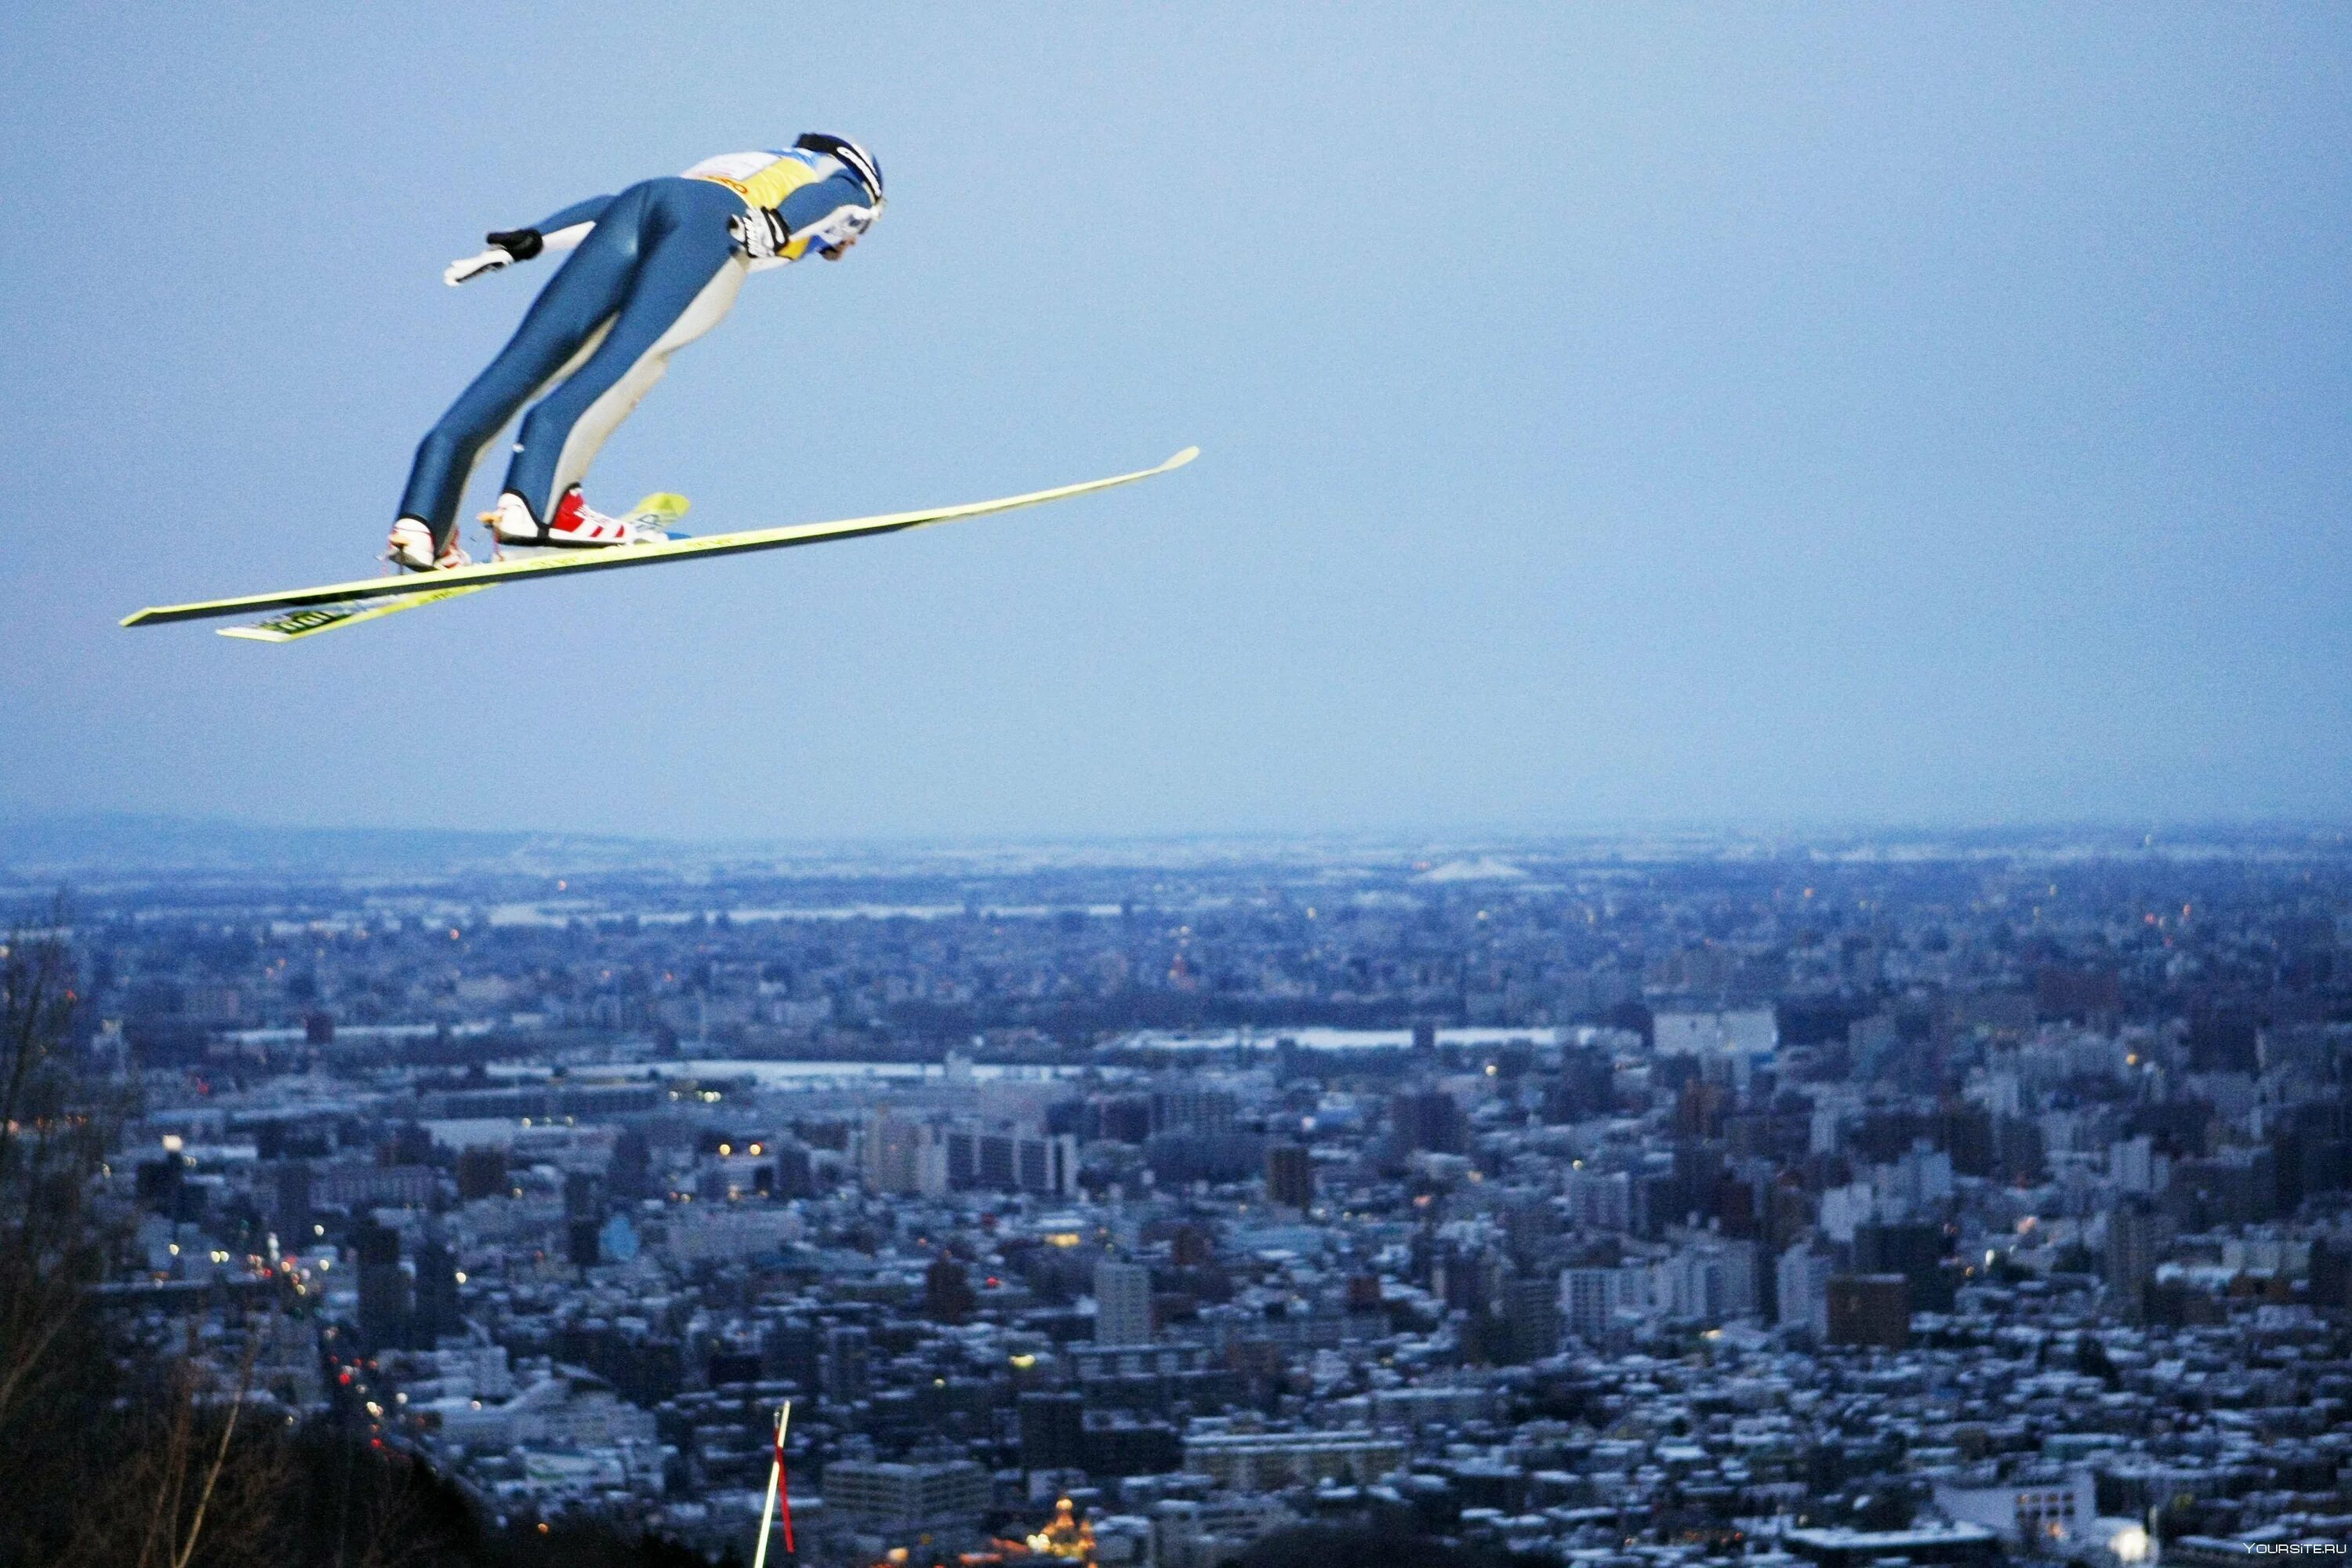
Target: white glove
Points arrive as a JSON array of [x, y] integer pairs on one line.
[[761, 233], [472, 267]]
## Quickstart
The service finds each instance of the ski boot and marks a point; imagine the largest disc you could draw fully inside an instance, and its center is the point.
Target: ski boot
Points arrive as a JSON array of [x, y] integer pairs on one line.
[[575, 525], [410, 548]]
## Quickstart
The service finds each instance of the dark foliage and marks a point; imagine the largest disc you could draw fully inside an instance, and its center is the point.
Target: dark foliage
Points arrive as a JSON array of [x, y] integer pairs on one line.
[[112, 1451]]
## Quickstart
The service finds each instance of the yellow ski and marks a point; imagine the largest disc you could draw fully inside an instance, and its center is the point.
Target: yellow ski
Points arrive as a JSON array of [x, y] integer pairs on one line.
[[432, 587], [309, 623], [661, 509]]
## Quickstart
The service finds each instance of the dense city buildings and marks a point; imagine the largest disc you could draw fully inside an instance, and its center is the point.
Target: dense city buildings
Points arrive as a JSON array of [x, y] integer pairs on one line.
[[1621, 1203]]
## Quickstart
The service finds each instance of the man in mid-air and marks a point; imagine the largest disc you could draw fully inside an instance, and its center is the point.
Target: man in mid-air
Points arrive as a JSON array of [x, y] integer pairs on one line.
[[655, 266]]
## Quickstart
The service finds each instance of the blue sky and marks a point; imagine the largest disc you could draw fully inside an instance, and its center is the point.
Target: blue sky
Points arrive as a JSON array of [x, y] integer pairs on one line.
[[1739, 414]]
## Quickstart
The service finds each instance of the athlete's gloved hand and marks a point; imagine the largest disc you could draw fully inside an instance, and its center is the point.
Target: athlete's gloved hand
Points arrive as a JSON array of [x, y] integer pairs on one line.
[[761, 233], [508, 246], [473, 267]]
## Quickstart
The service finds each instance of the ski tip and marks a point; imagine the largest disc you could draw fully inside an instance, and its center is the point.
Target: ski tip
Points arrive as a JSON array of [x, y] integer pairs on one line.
[[1181, 458]]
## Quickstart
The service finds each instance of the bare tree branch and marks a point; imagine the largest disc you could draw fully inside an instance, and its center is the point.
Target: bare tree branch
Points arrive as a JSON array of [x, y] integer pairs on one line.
[[220, 1456]]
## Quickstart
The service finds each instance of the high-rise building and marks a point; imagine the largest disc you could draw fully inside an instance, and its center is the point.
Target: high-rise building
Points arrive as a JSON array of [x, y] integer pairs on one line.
[[437, 1311], [1290, 1176], [905, 1495], [1601, 1200], [1468, 1277], [1124, 1119], [1529, 1225], [1053, 1431], [792, 1350], [2135, 1242], [1191, 1108], [1870, 1310], [481, 1173], [290, 1214], [1048, 1164], [2224, 1041], [1588, 1301], [1742, 1292], [1530, 1313], [1270, 1461], [1193, 1247], [795, 1172], [2133, 1165], [1697, 1289], [1923, 1177], [847, 1351], [384, 1309], [584, 1195], [1845, 1209], [947, 1293], [1916, 1251], [2018, 1149], [628, 1175], [1585, 1086], [1802, 1278], [1285, 1059], [1120, 1444], [2331, 1273], [1429, 1119], [975, 1158], [893, 1153], [1122, 1303]]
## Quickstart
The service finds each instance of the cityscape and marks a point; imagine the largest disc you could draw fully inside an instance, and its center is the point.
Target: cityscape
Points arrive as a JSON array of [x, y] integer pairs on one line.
[[1624, 1202]]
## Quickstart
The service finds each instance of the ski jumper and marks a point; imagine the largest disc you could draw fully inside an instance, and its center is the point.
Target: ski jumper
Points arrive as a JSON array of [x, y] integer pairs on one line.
[[653, 270]]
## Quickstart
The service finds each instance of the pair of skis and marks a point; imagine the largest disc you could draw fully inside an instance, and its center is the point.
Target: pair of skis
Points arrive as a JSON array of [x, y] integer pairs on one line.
[[309, 611], [778, 1488]]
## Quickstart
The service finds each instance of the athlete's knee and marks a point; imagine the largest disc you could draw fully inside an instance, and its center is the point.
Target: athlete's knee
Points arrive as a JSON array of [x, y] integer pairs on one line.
[[548, 420], [468, 425], [449, 444]]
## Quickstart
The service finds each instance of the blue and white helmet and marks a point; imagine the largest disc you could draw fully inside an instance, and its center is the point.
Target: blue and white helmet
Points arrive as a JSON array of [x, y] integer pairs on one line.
[[852, 157]]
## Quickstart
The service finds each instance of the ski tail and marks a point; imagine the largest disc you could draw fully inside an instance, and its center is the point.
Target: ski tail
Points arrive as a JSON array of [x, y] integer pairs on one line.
[[660, 510], [308, 623]]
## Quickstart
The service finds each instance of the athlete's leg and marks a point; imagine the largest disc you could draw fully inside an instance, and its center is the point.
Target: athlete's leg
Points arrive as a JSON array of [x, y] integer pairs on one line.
[[684, 282], [561, 330]]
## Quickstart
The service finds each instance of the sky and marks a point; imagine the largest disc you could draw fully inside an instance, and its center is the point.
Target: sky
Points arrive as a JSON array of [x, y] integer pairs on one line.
[[1751, 414]]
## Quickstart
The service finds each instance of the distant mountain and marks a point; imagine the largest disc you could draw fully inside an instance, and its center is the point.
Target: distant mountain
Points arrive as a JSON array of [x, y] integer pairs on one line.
[[56, 846], [115, 843]]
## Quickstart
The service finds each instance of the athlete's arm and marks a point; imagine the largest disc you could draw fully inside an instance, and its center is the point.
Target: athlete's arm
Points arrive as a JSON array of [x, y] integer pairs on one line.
[[559, 231], [827, 214], [812, 204], [563, 230]]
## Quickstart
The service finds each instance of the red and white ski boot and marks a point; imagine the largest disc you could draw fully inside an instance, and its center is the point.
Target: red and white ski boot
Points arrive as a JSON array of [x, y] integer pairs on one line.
[[575, 525]]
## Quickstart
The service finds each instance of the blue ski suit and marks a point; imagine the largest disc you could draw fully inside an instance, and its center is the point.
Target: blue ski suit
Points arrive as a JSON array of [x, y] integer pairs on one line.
[[653, 270]]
